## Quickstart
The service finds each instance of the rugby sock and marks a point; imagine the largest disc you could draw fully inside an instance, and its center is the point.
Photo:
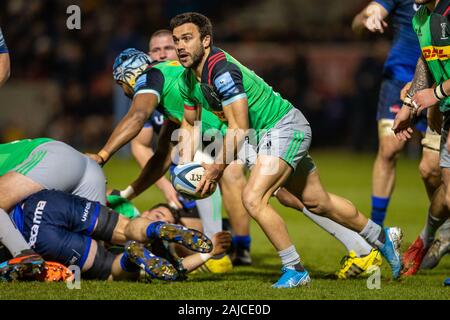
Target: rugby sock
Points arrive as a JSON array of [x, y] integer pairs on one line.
[[379, 207], [10, 236], [349, 238], [210, 211], [242, 242], [290, 258], [374, 234], [127, 265], [428, 233], [153, 229]]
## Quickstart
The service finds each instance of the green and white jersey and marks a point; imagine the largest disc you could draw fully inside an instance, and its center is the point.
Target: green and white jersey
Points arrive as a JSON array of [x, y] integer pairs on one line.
[[14, 153], [162, 79], [223, 81], [433, 32]]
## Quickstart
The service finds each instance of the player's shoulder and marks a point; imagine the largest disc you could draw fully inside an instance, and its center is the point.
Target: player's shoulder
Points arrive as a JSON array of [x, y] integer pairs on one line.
[[421, 14], [219, 63]]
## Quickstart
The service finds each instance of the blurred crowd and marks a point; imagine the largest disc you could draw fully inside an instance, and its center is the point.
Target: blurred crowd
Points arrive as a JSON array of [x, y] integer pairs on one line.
[[317, 63]]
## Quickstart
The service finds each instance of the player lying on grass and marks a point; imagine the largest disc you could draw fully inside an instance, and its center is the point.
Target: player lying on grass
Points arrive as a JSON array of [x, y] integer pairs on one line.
[[166, 213], [67, 229], [244, 101], [30, 165]]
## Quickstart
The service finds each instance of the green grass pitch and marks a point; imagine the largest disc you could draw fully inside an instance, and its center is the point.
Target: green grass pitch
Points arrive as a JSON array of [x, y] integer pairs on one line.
[[346, 174]]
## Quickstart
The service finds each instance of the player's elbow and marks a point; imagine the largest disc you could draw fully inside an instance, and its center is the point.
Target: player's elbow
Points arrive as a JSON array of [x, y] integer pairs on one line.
[[138, 118]]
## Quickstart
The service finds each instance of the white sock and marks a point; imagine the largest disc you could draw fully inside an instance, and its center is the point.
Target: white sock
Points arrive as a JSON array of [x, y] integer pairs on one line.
[[349, 238], [373, 234], [289, 257], [210, 211], [10, 236]]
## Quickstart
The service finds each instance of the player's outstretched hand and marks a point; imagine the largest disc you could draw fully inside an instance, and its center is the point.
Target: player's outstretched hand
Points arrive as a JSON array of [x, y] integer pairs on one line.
[[402, 124], [404, 91], [213, 173], [374, 21], [221, 242]]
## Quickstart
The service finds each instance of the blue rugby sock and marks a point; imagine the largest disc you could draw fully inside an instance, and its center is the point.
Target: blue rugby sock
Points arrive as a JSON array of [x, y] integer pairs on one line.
[[379, 208], [242, 242]]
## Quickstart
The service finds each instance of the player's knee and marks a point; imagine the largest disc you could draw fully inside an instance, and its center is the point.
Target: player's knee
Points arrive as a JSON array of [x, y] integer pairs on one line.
[[316, 204], [389, 152], [252, 202], [429, 171]]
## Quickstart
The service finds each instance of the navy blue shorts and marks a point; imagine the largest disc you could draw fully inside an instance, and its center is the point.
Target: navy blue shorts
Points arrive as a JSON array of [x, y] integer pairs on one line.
[[58, 225], [156, 121], [389, 102]]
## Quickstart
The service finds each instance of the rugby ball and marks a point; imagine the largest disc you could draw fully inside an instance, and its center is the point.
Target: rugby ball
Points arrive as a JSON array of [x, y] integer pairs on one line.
[[185, 179]]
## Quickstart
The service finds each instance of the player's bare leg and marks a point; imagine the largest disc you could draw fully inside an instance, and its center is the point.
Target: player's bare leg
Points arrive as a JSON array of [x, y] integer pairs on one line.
[[383, 174], [305, 184], [361, 256], [266, 176], [232, 184], [437, 215], [430, 171]]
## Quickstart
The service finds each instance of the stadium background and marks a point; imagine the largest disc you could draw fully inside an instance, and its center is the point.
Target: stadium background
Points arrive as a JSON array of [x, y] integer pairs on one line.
[[61, 86]]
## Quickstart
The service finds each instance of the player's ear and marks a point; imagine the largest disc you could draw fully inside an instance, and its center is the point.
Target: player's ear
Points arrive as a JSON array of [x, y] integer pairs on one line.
[[206, 41]]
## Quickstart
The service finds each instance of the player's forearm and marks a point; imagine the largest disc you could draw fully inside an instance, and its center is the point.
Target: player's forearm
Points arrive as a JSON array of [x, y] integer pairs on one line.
[[155, 168], [194, 261], [232, 142], [187, 145], [423, 78], [163, 184], [143, 154], [5, 68]]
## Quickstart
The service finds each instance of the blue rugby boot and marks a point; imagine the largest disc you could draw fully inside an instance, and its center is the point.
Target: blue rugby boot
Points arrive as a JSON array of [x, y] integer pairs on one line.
[[391, 250], [292, 278], [154, 266], [189, 238]]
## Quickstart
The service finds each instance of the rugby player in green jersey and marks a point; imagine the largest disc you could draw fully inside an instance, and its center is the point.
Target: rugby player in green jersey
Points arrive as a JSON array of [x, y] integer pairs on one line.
[[244, 101], [430, 89], [154, 86]]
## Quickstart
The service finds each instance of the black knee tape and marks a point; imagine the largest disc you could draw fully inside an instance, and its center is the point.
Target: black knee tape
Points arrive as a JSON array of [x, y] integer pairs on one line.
[[102, 266], [107, 221], [189, 213]]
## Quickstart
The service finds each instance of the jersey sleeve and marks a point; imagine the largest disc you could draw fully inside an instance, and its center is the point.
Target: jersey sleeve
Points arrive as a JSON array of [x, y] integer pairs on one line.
[[228, 82], [150, 82], [188, 102], [3, 47], [389, 5]]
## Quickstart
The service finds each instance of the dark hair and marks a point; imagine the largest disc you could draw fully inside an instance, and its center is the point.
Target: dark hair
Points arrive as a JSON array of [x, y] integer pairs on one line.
[[175, 213], [161, 32], [202, 22]]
